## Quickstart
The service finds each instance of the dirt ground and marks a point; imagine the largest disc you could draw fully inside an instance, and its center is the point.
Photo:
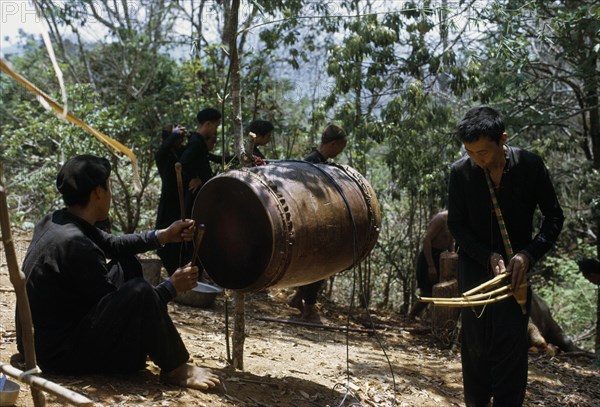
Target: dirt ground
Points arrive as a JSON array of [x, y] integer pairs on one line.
[[299, 366]]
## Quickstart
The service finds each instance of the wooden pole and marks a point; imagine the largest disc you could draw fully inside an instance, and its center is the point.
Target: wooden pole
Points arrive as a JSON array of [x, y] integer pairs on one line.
[[199, 235], [239, 331], [39, 384], [17, 279], [180, 190]]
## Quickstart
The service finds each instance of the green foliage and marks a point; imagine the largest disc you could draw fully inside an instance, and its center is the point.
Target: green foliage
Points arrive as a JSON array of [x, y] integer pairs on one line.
[[34, 152], [571, 297]]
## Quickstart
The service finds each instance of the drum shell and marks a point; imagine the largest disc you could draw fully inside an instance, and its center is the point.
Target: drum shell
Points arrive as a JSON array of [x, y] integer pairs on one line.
[[285, 224]]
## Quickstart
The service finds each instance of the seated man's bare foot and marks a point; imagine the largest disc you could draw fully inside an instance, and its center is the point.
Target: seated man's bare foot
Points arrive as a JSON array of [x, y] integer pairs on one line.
[[190, 376], [295, 301], [310, 314]]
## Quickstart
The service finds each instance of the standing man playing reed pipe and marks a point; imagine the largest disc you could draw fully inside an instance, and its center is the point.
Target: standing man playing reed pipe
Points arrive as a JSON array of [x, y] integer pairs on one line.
[[494, 337], [90, 316]]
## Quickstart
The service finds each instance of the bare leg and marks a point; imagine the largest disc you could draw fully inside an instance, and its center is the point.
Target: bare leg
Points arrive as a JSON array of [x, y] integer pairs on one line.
[[190, 376]]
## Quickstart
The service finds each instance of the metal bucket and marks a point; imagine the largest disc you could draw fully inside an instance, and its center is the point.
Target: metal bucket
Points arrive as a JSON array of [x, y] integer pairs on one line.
[[285, 224]]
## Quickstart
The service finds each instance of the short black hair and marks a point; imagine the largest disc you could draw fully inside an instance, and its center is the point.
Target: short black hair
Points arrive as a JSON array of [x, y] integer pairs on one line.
[[79, 176], [208, 114], [261, 127], [332, 133], [481, 121]]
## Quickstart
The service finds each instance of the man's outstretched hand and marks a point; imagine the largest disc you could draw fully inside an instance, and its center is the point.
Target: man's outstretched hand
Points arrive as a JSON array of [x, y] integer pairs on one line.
[[178, 231]]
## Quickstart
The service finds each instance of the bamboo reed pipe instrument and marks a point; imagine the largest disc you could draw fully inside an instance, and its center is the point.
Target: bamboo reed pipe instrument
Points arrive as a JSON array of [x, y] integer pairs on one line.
[[486, 293]]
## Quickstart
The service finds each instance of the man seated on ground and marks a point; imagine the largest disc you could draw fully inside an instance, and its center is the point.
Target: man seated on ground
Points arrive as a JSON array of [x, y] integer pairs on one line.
[[90, 316]]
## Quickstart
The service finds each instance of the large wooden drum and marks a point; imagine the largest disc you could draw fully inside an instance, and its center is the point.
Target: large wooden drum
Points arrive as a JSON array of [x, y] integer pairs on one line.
[[285, 224]]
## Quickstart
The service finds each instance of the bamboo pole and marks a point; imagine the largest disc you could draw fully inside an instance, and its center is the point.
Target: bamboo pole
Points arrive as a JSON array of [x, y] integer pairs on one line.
[[39, 384], [17, 279]]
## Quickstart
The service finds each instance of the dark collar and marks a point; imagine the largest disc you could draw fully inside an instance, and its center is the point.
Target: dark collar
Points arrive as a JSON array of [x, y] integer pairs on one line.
[[321, 156]]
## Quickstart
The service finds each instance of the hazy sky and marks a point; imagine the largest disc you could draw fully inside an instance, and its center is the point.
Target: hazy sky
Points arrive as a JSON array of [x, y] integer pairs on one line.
[[15, 15]]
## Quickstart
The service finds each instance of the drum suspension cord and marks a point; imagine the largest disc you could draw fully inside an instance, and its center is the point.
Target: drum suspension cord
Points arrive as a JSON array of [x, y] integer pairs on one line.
[[355, 249]]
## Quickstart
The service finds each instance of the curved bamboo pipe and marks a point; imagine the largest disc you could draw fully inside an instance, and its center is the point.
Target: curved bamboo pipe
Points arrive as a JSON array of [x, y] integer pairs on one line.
[[469, 303], [468, 300], [490, 283]]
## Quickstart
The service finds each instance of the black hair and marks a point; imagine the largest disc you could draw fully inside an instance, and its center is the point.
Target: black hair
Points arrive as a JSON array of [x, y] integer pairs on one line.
[[79, 176], [208, 114], [261, 127], [332, 133], [481, 121]]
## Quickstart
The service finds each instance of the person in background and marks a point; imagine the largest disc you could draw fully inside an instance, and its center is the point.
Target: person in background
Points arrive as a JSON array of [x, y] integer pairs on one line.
[[169, 153], [438, 239], [494, 339], [333, 141], [90, 316], [262, 129], [195, 159]]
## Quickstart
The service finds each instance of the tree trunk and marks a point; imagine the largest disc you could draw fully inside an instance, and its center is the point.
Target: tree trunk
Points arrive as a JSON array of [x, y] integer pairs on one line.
[[448, 266], [444, 319], [230, 34]]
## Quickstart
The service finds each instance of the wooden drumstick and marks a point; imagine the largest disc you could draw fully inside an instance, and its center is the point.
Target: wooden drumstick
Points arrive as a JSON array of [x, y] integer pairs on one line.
[[197, 242], [180, 189]]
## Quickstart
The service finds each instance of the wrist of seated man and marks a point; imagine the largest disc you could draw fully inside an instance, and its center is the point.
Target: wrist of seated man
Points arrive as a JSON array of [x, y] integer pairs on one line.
[[153, 237], [170, 286]]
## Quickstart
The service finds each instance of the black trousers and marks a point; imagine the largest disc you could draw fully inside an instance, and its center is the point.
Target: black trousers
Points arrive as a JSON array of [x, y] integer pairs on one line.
[[124, 328], [311, 291], [494, 356]]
